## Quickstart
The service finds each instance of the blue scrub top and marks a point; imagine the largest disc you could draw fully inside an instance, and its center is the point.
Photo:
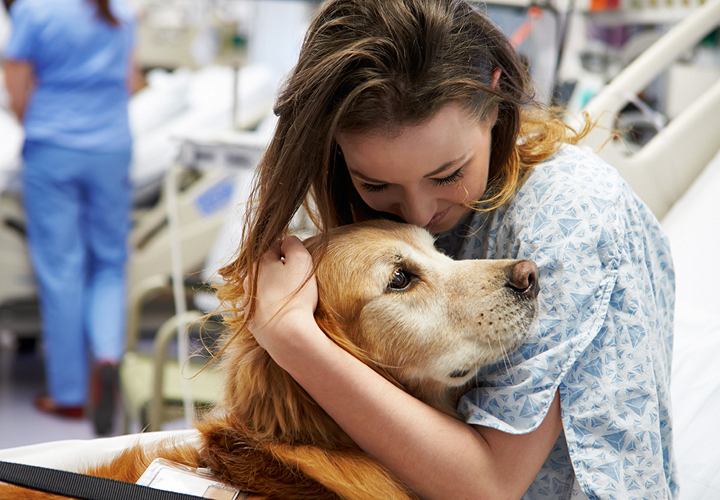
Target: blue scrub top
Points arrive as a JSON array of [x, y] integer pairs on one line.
[[81, 64]]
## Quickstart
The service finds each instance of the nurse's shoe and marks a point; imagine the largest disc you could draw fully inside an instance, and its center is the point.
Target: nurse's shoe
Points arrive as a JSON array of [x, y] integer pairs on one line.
[[46, 405], [104, 389]]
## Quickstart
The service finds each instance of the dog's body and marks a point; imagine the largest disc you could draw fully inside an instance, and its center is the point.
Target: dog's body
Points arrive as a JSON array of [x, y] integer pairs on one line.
[[417, 317]]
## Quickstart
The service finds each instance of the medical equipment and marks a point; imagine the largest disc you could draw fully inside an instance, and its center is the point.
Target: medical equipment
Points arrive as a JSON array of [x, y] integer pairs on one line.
[[170, 476]]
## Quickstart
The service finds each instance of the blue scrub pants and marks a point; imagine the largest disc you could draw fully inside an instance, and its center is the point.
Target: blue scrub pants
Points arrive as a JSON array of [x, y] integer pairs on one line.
[[77, 206]]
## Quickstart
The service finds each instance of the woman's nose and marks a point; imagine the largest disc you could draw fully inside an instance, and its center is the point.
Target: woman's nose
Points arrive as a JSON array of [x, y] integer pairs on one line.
[[418, 209]]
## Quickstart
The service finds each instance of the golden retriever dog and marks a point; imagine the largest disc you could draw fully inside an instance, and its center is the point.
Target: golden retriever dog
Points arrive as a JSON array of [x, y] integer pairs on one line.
[[419, 318]]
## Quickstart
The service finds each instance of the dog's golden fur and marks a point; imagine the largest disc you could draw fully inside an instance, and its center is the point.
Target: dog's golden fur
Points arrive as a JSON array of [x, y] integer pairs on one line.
[[417, 317]]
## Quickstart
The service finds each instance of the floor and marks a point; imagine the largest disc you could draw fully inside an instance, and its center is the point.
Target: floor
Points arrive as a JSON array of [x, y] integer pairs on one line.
[[22, 379]]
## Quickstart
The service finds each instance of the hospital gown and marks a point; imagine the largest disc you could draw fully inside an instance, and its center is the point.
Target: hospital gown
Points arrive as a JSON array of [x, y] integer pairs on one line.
[[603, 334]]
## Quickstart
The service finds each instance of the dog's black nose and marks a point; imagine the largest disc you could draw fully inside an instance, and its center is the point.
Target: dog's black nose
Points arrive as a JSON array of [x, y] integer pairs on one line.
[[523, 279]]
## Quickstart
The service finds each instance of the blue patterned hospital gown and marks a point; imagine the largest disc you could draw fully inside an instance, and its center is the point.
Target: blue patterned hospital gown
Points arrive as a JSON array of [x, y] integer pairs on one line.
[[603, 334]]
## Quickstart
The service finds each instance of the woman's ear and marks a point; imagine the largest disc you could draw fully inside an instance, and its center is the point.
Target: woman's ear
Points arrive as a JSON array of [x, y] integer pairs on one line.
[[496, 77]]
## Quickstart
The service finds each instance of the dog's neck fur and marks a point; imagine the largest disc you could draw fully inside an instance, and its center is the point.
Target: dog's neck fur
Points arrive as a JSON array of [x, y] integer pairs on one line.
[[267, 403]]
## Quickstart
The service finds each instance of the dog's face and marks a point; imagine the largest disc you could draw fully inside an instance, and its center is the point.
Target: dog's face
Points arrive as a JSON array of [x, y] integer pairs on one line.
[[415, 311]]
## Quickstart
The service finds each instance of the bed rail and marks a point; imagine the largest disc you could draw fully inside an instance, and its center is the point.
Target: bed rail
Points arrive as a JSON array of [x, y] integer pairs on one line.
[[665, 167]]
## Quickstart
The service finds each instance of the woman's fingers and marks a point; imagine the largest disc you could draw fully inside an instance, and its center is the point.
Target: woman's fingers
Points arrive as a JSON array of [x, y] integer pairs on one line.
[[293, 245], [297, 257], [285, 285], [285, 266]]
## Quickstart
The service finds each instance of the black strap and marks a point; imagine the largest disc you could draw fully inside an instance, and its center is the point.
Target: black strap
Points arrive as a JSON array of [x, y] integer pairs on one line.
[[81, 486]]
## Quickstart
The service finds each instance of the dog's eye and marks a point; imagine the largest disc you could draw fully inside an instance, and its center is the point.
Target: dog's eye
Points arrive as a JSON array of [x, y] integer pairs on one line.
[[401, 280]]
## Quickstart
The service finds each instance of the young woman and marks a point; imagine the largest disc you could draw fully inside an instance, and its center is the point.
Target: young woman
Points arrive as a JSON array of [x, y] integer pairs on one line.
[[68, 71], [421, 111]]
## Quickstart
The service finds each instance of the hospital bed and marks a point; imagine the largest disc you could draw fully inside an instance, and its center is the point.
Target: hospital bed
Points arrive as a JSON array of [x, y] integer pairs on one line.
[[683, 193], [274, 43]]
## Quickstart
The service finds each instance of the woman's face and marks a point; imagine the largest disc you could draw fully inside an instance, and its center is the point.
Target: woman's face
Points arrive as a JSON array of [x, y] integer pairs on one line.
[[426, 173]]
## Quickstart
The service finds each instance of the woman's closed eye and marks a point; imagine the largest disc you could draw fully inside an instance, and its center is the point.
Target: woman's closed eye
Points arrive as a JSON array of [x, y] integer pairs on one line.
[[454, 177], [443, 181], [373, 188]]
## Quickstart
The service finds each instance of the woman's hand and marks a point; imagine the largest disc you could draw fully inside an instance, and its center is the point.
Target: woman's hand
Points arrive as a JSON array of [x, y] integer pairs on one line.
[[284, 310]]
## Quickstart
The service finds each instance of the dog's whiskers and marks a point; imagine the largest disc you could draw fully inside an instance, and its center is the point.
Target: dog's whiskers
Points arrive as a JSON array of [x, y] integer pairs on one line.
[[476, 364], [505, 357]]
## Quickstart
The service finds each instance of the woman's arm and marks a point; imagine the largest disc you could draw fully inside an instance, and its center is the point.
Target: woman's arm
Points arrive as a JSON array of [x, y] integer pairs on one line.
[[135, 78], [436, 455], [19, 82]]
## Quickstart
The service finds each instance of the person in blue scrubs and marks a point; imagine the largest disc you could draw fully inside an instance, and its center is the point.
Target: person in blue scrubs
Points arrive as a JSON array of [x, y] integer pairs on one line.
[[68, 68]]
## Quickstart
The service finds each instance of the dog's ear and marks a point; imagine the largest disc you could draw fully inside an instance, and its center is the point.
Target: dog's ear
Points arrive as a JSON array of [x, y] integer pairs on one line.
[[333, 328], [237, 457], [269, 403]]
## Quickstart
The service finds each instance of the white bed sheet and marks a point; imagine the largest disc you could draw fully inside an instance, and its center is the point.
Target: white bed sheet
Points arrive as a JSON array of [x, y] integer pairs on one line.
[[693, 226], [76, 454]]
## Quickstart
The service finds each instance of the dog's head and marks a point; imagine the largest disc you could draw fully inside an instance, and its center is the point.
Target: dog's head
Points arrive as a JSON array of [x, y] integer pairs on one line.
[[429, 321], [421, 319]]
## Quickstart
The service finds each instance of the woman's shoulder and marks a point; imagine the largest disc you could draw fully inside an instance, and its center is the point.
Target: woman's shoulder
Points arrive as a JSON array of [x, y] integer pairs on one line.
[[571, 173], [572, 200], [39, 11], [23, 9], [29, 17]]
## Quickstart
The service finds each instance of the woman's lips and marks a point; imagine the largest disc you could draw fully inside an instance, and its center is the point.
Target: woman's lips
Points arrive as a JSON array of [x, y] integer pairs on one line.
[[438, 217]]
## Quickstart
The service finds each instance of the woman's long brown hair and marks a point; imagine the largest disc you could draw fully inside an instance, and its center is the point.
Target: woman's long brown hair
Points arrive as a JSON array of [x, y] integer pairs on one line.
[[105, 12], [369, 65]]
